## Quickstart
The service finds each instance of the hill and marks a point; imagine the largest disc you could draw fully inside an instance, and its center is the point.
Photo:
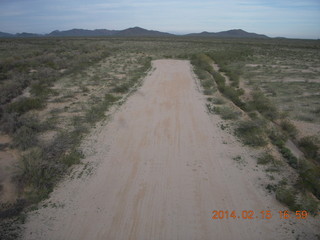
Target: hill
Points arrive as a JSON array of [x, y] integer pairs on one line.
[[82, 33], [134, 32], [137, 31], [3, 34], [235, 33]]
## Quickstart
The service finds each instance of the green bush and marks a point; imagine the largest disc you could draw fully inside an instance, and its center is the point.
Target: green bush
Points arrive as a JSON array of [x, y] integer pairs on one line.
[[24, 138], [202, 61], [277, 137], [24, 105], [40, 90], [123, 88], [265, 158], [207, 84], [220, 80], [233, 94], [218, 101], [287, 196], [38, 174], [309, 175], [72, 158], [252, 132], [201, 74], [97, 111], [226, 113], [287, 154], [30, 166], [309, 204], [110, 99], [289, 128], [309, 147], [11, 122], [263, 105]]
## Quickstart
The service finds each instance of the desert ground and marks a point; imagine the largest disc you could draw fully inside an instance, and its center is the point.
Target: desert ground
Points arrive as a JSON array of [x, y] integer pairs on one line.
[[158, 168], [159, 138]]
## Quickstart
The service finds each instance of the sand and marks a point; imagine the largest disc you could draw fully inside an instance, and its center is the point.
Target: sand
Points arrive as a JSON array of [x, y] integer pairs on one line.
[[159, 168]]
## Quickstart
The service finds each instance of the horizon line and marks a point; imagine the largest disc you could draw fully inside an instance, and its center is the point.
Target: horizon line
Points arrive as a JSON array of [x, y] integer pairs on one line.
[[175, 33]]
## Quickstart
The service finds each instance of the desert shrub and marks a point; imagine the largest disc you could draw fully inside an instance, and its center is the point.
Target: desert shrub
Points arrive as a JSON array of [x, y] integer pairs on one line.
[[202, 61], [309, 175], [9, 123], [24, 105], [207, 84], [253, 114], [97, 111], [231, 60], [32, 121], [226, 113], [317, 111], [3, 146], [220, 80], [201, 74], [265, 158], [277, 137], [30, 166], [210, 108], [40, 90], [218, 101], [24, 138], [109, 98], [287, 196], [11, 209], [290, 158], [84, 89], [289, 128], [263, 105], [310, 204], [309, 147], [122, 88], [252, 132], [10, 90], [233, 94], [40, 168], [72, 158], [38, 174], [208, 91]]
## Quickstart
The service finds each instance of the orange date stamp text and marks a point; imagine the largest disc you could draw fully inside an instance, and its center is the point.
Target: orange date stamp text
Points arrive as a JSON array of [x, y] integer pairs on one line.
[[251, 215]]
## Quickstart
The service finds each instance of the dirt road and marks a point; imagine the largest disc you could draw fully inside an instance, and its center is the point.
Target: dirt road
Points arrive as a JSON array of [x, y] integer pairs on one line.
[[162, 165]]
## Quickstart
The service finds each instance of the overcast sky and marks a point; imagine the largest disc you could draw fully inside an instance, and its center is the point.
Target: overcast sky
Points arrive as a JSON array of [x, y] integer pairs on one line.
[[288, 18]]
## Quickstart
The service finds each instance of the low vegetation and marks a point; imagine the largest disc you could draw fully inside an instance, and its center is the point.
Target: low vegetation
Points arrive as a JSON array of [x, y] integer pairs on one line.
[[267, 123], [310, 147], [266, 158], [263, 105], [53, 91], [252, 132], [289, 128], [226, 113], [47, 115]]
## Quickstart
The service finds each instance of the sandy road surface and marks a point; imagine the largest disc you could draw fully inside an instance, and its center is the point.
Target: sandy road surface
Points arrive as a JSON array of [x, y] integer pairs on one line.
[[162, 168]]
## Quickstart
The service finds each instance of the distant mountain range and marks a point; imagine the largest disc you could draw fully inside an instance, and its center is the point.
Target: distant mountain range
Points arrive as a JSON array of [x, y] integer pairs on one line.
[[235, 33], [133, 32]]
